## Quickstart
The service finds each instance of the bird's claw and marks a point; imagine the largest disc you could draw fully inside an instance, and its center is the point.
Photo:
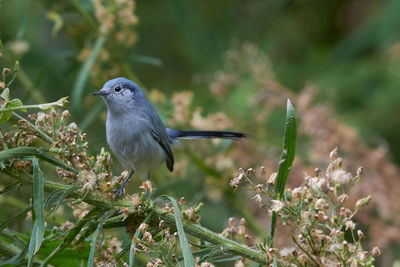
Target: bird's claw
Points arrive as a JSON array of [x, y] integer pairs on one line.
[[119, 193]]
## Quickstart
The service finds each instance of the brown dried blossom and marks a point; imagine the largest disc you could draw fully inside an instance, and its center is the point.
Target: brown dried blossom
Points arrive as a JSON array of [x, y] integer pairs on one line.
[[317, 219]]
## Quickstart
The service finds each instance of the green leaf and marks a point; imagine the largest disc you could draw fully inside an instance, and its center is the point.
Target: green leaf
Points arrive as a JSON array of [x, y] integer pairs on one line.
[[275, 263], [50, 198], [10, 187], [65, 195], [79, 85], [188, 259], [20, 215], [16, 103], [94, 239], [67, 257], [289, 149], [22, 151], [37, 234], [13, 261], [5, 116], [285, 164], [5, 95]]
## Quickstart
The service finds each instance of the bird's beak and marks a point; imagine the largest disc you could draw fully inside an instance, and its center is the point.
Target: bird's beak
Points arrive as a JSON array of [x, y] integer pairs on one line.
[[102, 93]]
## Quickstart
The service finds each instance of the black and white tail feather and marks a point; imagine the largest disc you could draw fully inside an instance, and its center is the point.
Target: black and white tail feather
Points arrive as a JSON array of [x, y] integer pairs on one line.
[[178, 134]]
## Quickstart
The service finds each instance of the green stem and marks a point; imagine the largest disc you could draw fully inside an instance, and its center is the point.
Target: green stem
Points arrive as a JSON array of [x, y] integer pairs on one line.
[[304, 250], [59, 103], [270, 237]]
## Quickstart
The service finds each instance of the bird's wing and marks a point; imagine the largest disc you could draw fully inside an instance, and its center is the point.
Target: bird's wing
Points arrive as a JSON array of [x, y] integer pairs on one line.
[[163, 142]]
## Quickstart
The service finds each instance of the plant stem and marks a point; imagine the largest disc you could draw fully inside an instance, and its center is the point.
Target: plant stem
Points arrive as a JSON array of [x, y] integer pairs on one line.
[[305, 251], [39, 106]]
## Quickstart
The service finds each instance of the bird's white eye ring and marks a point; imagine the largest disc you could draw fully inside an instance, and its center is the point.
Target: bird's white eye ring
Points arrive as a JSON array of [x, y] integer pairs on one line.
[[117, 88]]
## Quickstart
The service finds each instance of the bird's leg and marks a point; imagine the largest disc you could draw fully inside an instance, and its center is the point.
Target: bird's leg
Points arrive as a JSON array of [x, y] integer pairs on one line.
[[120, 191]]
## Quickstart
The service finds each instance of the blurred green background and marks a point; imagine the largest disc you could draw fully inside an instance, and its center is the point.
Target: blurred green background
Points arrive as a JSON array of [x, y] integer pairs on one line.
[[349, 49]]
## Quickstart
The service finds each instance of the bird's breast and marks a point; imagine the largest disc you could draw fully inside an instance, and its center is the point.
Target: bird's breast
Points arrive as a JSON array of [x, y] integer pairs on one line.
[[133, 144]]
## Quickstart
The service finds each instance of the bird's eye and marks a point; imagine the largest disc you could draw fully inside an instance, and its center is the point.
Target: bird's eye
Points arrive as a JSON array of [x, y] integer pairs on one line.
[[117, 88]]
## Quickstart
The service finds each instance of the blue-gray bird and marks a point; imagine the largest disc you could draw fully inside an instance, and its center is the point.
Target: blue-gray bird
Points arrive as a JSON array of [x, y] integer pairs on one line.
[[135, 132]]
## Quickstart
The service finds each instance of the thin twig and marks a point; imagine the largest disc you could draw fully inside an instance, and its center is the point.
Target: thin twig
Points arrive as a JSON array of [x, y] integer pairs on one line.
[[304, 250], [59, 103]]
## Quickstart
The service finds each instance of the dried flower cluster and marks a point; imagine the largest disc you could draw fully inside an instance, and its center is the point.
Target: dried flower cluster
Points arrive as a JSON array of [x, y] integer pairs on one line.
[[162, 245], [108, 250], [116, 20], [323, 226], [70, 144], [118, 16], [236, 231], [15, 139]]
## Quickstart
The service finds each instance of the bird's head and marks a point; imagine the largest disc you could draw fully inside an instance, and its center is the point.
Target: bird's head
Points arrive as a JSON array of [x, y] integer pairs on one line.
[[120, 94]]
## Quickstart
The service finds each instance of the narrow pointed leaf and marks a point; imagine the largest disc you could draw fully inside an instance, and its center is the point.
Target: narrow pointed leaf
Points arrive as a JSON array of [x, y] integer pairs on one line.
[[10, 187], [13, 261], [188, 259], [285, 164], [36, 238], [289, 149], [20, 152], [94, 239], [15, 218], [65, 195]]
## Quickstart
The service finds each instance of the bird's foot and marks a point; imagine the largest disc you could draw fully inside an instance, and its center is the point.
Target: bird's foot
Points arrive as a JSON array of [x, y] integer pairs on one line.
[[119, 192]]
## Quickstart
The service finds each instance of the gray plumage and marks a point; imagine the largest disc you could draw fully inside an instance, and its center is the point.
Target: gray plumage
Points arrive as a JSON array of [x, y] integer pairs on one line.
[[135, 132]]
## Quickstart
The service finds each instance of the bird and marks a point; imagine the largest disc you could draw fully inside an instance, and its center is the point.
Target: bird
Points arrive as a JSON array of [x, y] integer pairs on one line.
[[136, 134]]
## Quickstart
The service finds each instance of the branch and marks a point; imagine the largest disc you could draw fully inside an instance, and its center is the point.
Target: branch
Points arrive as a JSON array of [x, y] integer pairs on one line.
[[62, 102], [157, 214]]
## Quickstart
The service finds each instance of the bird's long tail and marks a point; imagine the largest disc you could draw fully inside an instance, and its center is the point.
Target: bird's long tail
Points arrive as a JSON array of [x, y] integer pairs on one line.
[[178, 134]]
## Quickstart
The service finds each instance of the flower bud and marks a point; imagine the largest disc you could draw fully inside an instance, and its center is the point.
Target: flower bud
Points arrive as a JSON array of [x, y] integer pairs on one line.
[[362, 202], [143, 227], [360, 234], [376, 251]]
